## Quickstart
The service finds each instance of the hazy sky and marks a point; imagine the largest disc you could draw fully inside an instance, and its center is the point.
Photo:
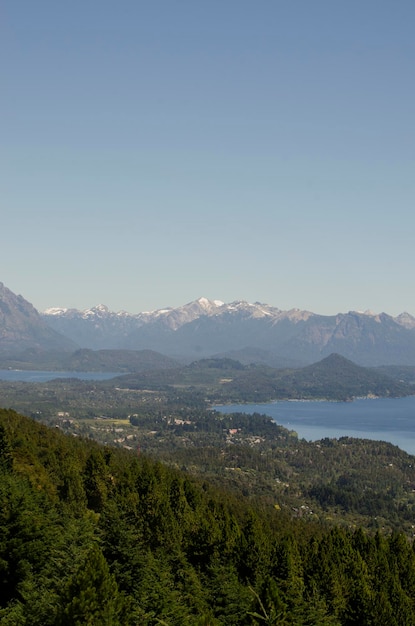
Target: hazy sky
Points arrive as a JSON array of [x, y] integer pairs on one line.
[[155, 151]]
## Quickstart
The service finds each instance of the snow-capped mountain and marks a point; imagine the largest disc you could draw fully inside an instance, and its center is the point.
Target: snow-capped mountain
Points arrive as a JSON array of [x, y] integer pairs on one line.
[[210, 327], [202, 328], [406, 320]]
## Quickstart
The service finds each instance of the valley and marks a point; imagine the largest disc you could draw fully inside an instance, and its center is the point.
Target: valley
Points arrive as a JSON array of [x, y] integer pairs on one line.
[[135, 492], [167, 414]]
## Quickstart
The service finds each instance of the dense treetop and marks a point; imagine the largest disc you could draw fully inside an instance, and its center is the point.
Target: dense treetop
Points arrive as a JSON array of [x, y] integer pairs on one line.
[[99, 535]]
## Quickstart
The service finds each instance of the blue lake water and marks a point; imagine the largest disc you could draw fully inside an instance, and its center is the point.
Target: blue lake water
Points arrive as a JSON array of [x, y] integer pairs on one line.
[[383, 419], [33, 376]]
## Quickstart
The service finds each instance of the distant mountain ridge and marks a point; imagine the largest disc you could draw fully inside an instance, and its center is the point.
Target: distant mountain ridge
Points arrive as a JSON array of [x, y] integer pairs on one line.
[[204, 328], [252, 332]]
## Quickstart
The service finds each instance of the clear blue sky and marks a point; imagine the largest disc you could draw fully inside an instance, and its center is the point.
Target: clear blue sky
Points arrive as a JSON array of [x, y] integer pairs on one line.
[[152, 152]]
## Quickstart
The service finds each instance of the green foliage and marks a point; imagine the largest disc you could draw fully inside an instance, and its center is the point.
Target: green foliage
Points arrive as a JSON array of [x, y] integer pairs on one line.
[[6, 458], [93, 535], [91, 596]]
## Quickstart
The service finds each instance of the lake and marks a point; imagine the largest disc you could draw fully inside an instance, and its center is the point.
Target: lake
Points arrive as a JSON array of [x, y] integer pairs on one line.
[[386, 419], [34, 376]]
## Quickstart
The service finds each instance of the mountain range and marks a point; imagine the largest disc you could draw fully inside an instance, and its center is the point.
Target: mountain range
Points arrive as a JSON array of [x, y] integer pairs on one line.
[[248, 332]]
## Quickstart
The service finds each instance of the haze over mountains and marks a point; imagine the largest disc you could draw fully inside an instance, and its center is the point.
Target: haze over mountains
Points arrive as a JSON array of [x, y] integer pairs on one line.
[[249, 332], [245, 331]]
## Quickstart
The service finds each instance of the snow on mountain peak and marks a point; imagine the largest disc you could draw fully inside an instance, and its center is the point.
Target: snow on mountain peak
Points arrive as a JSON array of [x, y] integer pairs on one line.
[[207, 304], [406, 320], [55, 310], [100, 309]]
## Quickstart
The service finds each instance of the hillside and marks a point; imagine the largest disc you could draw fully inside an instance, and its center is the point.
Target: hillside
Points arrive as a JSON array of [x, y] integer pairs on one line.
[[94, 535], [84, 360], [333, 378]]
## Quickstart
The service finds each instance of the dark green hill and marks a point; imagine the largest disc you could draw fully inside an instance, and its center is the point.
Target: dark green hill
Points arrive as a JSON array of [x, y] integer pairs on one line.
[[334, 378], [118, 361], [207, 374], [86, 360], [99, 536]]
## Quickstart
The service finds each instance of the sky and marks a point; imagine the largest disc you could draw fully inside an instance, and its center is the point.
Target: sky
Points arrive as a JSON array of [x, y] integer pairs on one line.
[[152, 152]]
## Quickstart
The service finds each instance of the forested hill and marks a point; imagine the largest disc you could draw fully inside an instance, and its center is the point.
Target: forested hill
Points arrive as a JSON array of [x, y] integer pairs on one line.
[[224, 380], [100, 536], [337, 377]]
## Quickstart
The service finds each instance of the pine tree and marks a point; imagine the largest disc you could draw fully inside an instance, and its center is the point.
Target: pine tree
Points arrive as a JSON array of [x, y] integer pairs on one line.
[[92, 597]]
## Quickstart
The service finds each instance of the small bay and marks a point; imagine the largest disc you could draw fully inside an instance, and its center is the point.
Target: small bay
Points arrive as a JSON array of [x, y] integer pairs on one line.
[[386, 419]]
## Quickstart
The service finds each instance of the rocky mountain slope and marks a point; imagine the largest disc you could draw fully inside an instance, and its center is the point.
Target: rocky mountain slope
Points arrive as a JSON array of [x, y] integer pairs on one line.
[[210, 327], [23, 328]]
